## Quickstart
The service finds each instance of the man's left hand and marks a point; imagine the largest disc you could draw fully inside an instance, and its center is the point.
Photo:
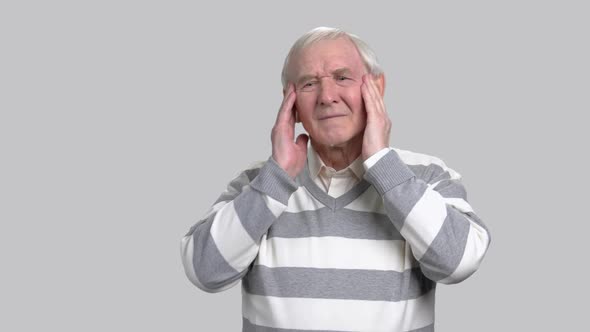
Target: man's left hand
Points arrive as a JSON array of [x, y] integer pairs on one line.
[[378, 128]]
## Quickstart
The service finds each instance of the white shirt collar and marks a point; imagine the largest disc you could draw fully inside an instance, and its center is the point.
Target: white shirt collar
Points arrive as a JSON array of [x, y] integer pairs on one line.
[[316, 164]]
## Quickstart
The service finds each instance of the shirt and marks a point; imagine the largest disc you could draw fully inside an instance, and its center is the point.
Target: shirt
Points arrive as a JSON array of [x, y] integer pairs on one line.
[[336, 183]]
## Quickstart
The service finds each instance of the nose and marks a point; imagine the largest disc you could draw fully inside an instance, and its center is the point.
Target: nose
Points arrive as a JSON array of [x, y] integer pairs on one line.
[[328, 93]]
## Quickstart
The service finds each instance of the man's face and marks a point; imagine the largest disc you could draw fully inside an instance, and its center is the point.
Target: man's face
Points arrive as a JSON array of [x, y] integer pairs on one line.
[[328, 78]]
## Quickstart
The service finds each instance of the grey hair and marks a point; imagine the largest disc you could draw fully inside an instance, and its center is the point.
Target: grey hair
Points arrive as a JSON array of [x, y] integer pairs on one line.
[[324, 33]]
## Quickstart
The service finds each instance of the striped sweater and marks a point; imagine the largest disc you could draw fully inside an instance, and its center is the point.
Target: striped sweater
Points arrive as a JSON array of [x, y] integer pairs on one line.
[[367, 260]]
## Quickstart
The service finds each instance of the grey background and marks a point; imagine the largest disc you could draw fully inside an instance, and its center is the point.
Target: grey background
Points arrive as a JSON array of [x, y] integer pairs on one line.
[[122, 121]]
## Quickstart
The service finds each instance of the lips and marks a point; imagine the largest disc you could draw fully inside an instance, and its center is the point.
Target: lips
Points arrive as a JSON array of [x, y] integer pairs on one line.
[[331, 116]]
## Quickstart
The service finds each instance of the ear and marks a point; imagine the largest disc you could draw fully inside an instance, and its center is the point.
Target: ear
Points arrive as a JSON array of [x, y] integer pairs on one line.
[[380, 82]]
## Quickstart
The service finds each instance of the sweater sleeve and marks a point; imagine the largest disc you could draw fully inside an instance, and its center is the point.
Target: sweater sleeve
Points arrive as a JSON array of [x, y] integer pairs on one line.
[[218, 249], [445, 235]]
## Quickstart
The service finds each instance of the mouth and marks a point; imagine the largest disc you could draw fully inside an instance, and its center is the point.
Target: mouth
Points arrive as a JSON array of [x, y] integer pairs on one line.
[[331, 116]]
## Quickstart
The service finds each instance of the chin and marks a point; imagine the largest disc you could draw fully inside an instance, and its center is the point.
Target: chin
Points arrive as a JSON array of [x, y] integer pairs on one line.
[[334, 140]]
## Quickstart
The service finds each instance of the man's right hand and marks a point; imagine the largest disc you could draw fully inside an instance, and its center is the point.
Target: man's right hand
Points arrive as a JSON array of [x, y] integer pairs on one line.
[[291, 156]]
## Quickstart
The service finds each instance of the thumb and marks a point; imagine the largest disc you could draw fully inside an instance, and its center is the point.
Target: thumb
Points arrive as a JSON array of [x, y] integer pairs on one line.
[[301, 141]]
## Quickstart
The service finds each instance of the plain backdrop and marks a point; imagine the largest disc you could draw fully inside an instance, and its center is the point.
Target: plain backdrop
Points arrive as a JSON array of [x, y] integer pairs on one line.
[[122, 122]]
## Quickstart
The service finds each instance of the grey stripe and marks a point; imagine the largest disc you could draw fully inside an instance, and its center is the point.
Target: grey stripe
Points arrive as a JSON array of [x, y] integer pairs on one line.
[[330, 283], [428, 173], [447, 248], [247, 326], [211, 268], [236, 185], [388, 172], [447, 187], [478, 221], [400, 200], [342, 223], [451, 189], [254, 214], [455, 189], [356, 191], [274, 181], [304, 178]]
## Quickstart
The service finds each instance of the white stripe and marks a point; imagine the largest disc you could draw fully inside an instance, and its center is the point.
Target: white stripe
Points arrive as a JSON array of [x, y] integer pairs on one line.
[[302, 200], [409, 259], [333, 252], [372, 160], [424, 221], [475, 249], [187, 249], [415, 158], [275, 207], [338, 314], [459, 203], [231, 238]]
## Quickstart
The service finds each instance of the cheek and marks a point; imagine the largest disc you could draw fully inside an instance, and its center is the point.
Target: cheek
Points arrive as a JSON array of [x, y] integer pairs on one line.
[[355, 100], [304, 104]]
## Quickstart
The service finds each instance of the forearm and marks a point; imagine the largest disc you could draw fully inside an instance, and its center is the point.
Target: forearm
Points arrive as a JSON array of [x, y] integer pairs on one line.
[[218, 249], [446, 237]]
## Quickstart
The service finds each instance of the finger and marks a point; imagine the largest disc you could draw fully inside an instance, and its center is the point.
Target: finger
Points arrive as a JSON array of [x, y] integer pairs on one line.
[[377, 99], [368, 97], [373, 89], [285, 99], [286, 109], [379, 111]]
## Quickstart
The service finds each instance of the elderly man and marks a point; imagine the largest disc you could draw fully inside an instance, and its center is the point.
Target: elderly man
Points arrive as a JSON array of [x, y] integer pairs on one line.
[[345, 233]]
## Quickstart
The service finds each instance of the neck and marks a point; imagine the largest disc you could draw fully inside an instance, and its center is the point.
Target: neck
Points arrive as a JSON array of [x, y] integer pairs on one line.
[[339, 156]]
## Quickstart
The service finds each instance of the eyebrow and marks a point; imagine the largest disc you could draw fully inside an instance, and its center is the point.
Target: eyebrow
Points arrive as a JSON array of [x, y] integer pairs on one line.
[[342, 70]]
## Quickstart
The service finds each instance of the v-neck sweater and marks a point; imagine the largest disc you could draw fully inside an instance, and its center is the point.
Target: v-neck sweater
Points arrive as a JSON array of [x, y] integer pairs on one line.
[[368, 260], [334, 182]]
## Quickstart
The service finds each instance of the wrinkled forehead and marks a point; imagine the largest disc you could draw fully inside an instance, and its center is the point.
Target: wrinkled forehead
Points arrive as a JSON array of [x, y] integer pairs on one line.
[[323, 57]]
